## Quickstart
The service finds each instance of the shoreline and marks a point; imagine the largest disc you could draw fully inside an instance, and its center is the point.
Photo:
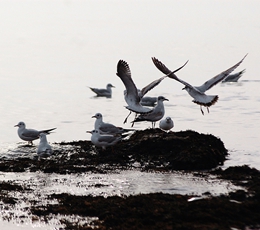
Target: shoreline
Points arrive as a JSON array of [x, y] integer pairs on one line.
[[155, 151]]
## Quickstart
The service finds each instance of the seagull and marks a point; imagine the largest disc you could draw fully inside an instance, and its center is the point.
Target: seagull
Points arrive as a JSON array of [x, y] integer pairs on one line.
[[156, 114], [148, 101], [132, 97], [198, 92], [29, 134], [103, 92], [234, 77], [44, 149], [103, 140], [106, 128], [166, 124]]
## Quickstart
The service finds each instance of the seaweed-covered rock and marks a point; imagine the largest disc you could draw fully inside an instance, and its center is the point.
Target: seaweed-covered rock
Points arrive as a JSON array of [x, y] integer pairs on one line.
[[149, 149], [174, 150]]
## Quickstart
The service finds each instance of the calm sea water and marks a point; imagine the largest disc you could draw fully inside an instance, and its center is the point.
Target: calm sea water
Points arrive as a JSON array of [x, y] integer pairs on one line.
[[51, 51]]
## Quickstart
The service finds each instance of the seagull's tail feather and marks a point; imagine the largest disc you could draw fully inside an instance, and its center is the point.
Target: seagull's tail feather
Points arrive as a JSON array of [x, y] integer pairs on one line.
[[212, 101], [47, 131]]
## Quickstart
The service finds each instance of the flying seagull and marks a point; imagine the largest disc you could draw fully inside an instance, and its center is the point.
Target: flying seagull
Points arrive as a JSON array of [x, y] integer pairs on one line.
[[132, 96], [103, 92], [198, 92], [29, 134]]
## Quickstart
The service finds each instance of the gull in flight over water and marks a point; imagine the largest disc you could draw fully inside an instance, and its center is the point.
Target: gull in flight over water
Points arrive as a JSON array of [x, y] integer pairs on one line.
[[198, 92], [132, 96], [103, 140], [29, 134], [103, 92], [234, 77], [156, 114], [44, 149], [107, 128], [166, 124]]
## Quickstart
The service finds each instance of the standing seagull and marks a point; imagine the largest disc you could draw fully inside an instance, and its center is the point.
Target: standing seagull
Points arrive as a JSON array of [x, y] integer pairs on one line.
[[198, 92], [44, 149], [166, 124], [156, 114], [29, 134], [234, 77], [103, 92], [131, 94], [103, 140], [106, 128]]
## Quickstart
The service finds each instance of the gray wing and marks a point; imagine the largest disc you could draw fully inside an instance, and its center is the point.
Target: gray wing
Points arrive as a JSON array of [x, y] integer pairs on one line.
[[107, 139], [108, 128], [160, 66], [123, 71], [151, 86], [132, 98], [213, 81], [31, 133], [99, 91]]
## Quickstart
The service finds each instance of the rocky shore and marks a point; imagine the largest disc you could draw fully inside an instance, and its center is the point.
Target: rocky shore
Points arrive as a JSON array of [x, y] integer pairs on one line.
[[148, 150]]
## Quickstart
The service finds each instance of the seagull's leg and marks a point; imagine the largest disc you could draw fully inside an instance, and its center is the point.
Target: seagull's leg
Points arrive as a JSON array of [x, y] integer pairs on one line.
[[208, 109], [201, 110], [30, 143], [134, 120], [127, 117]]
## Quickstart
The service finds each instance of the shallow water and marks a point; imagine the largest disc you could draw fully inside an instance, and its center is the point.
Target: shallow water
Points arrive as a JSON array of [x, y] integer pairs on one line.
[[51, 51]]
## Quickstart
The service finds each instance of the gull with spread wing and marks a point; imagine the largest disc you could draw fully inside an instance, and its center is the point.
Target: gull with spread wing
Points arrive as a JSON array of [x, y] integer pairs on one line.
[[198, 92], [132, 96]]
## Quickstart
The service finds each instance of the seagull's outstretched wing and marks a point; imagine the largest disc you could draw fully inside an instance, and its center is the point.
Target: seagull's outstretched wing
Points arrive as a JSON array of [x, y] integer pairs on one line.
[[170, 73], [151, 86], [167, 72], [213, 81], [123, 71]]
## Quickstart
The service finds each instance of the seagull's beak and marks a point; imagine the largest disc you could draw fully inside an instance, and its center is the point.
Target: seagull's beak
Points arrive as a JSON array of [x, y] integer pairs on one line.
[[166, 99], [183, 88], [93, 117], [16, 126], [88, 132]]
